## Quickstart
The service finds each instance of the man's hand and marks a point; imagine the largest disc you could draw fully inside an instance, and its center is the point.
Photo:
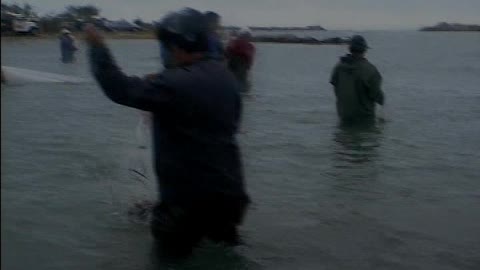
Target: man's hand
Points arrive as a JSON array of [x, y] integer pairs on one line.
[[92, 36]]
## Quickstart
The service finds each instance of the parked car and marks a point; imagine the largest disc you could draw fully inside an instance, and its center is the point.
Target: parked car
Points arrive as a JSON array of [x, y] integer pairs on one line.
[[121, 25], [18, 23], [22, 25]]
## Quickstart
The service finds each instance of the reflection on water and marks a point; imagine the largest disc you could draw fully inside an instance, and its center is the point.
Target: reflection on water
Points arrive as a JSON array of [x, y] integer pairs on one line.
[[327, 196], [355, 150], [356, 143], [209, 257], [356, 161]]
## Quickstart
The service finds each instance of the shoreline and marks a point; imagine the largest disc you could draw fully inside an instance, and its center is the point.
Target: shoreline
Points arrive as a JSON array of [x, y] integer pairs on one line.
[[141, 35], [80, 35]]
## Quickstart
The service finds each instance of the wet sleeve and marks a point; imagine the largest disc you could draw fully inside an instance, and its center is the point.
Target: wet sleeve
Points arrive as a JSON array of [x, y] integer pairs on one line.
[[375, 87], [143, 94]]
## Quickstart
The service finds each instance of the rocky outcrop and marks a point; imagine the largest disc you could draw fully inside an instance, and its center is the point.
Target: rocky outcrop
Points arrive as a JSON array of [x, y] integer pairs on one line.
[[300, 40], [452, 27], [312, 27]]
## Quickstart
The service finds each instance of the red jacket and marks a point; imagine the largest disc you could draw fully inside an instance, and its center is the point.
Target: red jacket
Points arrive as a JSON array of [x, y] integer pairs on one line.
[[241, 48]]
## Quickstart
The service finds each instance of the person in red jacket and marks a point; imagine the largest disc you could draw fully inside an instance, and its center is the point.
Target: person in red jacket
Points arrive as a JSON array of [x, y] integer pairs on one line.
[[240, 55]]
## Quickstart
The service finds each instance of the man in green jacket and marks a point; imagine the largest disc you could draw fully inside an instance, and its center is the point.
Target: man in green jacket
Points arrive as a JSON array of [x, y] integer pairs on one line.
[[357, 84]]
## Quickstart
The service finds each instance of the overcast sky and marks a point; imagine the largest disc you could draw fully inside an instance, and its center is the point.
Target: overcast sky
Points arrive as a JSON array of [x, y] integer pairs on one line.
[[332, 14]]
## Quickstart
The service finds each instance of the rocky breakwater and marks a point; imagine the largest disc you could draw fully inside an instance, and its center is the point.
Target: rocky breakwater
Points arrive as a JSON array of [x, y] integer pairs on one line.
[[451, 27], [292, 39]]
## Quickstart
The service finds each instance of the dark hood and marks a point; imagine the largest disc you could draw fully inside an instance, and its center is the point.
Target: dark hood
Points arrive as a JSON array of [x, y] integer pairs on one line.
[[350, 62]]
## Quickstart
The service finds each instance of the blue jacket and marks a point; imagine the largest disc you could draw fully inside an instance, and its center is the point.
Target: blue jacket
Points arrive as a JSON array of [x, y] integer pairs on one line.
[[67, 44]]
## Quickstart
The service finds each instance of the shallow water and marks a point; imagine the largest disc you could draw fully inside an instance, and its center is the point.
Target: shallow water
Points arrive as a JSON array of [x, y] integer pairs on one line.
[[403, 194]]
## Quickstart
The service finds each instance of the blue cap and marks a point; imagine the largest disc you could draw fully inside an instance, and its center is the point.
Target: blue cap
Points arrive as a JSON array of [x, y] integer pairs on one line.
[[188, 23]]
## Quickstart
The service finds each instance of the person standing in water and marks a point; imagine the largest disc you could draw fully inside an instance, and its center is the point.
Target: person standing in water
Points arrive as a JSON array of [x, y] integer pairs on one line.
[[67, 46], [357, 84], [240, 54], [215, 46], [196, 108]]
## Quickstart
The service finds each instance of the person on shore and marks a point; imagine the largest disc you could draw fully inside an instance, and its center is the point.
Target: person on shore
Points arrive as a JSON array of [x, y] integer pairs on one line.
[[215, 46], [67, 46], [196, 108], [357, 84], [240, 54]]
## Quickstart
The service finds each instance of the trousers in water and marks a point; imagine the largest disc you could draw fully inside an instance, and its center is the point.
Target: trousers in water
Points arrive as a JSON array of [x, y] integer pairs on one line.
[[177, 228]]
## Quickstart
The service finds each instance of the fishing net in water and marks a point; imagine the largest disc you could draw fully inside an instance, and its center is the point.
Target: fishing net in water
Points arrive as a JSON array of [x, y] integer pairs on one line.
[[141, 171]]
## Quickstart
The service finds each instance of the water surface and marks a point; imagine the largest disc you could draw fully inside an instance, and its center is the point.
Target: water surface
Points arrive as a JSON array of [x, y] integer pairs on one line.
[[403, 194]]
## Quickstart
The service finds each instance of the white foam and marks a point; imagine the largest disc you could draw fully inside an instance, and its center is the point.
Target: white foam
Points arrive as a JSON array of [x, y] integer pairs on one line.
[[15, 75]]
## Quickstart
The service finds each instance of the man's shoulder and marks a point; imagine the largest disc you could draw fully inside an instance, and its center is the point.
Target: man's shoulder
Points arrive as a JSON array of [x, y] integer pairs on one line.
[[338, 65], [367, 67], [370, 64], [202, 71]]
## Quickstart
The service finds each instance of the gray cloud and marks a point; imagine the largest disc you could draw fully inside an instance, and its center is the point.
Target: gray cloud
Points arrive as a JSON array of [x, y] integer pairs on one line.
[[333, 14]]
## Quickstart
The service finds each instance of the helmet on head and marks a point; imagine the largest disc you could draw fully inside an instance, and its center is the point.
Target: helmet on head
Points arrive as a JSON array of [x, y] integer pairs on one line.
[[186, 29], [65, 31]]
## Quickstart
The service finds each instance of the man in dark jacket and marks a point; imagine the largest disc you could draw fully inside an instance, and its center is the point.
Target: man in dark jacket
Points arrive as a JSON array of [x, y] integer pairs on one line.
[[357, 84], [196, 110]]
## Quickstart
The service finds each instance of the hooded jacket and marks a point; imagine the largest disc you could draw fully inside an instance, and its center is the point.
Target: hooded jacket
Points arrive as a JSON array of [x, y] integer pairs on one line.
[[357, 85]]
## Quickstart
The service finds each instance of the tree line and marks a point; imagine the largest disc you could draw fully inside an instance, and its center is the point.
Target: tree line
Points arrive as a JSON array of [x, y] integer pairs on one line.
[[73, 17]]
